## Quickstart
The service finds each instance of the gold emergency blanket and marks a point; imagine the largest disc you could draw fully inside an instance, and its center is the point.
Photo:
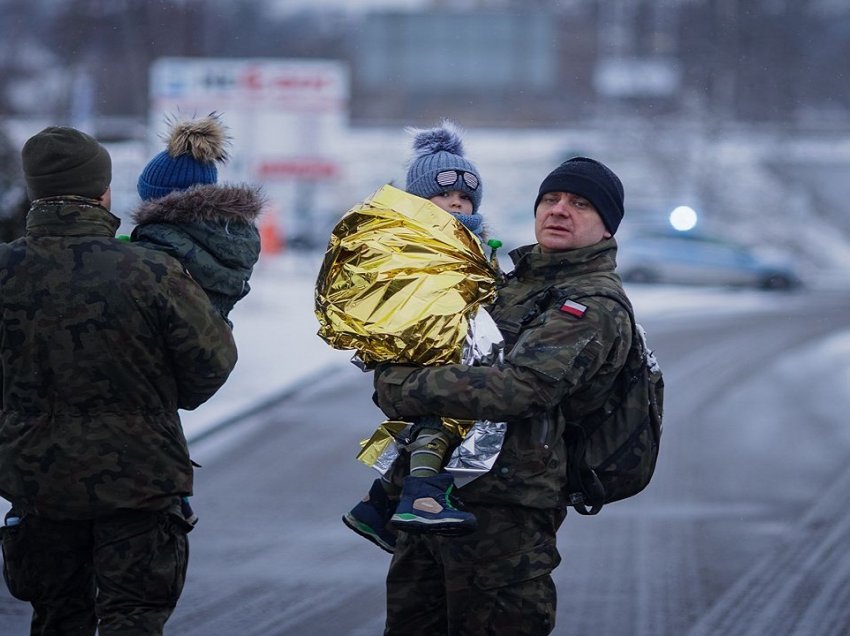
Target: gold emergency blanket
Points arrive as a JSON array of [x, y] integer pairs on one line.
[[400, 280], [482, 439]]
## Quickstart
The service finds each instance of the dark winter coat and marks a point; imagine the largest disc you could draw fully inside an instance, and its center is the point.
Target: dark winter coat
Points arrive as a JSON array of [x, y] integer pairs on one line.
[[101, 342], [552, 357], [211, 230]]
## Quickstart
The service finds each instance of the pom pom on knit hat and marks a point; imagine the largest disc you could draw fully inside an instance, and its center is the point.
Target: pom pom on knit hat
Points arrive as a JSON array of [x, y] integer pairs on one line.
[[193, 149], [438, 150]]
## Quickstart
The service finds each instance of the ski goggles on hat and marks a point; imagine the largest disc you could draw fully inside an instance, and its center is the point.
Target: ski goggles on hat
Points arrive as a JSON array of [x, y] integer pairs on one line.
[[446, 178]]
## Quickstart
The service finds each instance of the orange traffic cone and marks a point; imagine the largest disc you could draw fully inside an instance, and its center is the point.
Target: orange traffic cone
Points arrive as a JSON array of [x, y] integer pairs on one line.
[[271, 241]]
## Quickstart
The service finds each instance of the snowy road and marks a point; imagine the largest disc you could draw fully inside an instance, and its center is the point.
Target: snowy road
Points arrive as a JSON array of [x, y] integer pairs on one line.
[[755, 433], [740, 532], [750, 442]]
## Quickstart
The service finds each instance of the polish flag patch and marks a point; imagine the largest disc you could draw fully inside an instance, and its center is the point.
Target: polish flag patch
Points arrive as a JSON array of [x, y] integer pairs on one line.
[[573, 308]]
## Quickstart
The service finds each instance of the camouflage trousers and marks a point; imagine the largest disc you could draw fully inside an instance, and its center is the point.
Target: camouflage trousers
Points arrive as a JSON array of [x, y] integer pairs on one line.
[[121, 574], [494, 582]]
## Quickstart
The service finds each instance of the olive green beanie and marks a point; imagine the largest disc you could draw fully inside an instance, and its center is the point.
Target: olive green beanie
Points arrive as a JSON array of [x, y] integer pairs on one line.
[[60, 161]]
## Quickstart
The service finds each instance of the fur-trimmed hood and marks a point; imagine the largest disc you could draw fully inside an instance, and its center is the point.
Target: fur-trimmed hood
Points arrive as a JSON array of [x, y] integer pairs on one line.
[[210, 229], [211, 202]]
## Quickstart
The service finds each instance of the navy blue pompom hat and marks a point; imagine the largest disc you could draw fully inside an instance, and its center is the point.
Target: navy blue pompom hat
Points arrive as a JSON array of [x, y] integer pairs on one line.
[[592, 180], [193, 150], [439, 165]]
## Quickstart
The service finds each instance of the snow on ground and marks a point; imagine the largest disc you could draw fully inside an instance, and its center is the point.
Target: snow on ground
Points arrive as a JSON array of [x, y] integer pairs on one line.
[[275, 330]]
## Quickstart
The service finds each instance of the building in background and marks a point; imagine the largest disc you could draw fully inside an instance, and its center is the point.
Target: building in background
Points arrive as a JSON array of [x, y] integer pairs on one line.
[[538, 65], [505, 63], [697, 102], [485, 66]]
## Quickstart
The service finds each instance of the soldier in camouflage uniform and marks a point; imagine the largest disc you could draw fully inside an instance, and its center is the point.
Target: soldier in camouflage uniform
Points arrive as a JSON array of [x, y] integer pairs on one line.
[[497, 581], [101, 342]]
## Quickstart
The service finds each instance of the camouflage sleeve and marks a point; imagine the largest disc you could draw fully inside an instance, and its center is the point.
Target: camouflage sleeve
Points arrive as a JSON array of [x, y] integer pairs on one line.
[[553, 358], [200, 341]]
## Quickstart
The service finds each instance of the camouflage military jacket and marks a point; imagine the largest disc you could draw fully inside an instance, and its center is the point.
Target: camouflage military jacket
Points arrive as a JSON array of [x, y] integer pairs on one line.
[[210, 230], [101, 342], [553, 356]]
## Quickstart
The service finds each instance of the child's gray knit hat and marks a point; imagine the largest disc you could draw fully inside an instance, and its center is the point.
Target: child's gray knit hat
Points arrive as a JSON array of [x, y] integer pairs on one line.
[[438, 164]]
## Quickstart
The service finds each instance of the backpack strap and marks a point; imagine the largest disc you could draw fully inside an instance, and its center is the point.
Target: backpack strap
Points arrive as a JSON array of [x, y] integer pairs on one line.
[[579, 473]]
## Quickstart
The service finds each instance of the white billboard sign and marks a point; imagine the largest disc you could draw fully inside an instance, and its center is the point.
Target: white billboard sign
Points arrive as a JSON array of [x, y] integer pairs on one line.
[[285, 116], [297, 86]]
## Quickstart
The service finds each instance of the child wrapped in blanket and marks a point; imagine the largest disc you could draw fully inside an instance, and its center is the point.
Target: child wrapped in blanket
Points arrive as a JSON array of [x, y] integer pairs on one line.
[[439, 172]]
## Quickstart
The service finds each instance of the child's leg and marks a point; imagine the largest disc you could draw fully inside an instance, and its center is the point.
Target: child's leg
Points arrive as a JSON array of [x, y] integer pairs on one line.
[[428, 452], [428, 504]]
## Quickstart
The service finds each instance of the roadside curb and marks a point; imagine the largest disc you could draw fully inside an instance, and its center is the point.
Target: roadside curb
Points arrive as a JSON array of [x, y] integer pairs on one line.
[[267, 403]]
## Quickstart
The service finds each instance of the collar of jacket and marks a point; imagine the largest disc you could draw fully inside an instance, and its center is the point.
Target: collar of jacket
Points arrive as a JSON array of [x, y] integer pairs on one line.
[[70, 216], [203, 203], [531, 262]]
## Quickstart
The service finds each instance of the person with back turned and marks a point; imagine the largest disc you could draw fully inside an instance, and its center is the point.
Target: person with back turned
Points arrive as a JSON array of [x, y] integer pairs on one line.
[[101, 342]]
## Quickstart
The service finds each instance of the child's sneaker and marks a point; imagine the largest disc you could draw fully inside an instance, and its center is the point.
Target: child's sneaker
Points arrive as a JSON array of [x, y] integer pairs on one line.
[[428, 505], [369, 518]]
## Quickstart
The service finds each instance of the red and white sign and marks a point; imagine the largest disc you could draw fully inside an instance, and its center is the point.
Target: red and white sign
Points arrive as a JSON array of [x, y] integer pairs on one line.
[[307, 86], [299, 168]]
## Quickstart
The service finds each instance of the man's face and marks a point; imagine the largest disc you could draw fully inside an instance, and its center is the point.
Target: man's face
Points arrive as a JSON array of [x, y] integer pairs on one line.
[[567, 221]]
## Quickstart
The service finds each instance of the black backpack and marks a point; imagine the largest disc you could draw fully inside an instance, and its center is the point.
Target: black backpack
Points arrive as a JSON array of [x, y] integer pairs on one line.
[[612, 453]]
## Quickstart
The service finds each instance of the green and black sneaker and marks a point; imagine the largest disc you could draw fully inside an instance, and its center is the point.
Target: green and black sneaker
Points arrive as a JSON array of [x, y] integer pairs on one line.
[[370, 517], [428, 505]]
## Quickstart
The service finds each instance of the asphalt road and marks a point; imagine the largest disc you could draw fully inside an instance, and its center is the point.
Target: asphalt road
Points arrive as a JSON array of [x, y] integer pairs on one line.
[[742, 530]]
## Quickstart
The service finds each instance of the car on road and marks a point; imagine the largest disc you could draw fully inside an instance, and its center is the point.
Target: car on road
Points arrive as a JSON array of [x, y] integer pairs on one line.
[[694, 258]]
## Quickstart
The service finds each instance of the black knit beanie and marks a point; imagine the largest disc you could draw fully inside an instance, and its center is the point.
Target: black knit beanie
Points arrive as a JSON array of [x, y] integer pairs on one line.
[[592, 180], [60, 160]]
